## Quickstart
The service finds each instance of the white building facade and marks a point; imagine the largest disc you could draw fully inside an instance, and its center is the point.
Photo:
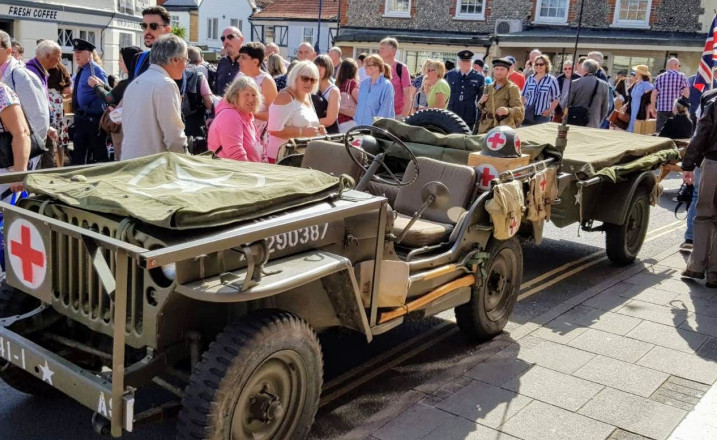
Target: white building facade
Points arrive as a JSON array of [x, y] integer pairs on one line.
[[217, 15], [289, 35], [108, 24]]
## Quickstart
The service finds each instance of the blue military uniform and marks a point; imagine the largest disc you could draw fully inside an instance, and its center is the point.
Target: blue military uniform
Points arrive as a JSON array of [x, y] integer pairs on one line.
[[466, 90], [90, 143]]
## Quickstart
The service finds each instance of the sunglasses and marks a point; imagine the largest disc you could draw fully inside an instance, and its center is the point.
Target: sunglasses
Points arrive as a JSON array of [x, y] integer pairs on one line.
[[539, 64], [228, 37], [309, 79], [153, 26]]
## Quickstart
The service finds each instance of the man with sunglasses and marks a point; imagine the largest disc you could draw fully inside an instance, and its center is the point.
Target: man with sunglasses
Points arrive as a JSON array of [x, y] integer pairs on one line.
[[228, 67], [155, 23]]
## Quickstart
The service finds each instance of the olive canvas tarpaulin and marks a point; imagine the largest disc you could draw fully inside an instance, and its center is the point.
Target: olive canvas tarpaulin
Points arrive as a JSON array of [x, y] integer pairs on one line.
[[590, 150], [181, 192]]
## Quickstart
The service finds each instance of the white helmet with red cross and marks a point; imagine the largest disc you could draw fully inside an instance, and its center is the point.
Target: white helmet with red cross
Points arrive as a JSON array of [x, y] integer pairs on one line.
[[501, 141]]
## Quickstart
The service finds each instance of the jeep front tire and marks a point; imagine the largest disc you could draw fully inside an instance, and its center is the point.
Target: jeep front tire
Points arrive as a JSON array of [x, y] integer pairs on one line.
[[261, 378]]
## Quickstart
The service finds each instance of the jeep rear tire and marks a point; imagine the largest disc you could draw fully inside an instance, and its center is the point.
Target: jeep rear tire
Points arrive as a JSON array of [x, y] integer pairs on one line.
[[261, 378], [491, 304], [623, 242], [13, 302], [439, 121]]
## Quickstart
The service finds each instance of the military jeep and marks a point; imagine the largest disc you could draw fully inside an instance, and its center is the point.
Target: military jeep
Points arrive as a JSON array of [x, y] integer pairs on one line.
[[211, 279]]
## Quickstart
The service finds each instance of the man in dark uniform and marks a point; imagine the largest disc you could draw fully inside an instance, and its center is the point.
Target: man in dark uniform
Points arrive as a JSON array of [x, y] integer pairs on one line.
[[466, 88], [90, 143]]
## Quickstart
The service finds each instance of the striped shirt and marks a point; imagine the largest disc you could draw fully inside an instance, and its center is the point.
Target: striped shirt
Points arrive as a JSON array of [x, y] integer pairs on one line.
[[669, 86], [541, 94]]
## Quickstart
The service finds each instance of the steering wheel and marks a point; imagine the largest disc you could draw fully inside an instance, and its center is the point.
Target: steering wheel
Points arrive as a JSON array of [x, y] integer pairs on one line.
[[377, 159]]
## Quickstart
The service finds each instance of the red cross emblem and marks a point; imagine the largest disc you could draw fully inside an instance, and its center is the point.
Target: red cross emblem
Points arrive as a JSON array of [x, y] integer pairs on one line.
[[496, 141], [487, 174], [513, 226], [27, 255], [358, 143], [516, 142], [543, 182]]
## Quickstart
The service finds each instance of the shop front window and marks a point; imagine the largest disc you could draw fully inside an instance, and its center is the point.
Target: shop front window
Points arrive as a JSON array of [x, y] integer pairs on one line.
[[625, 63]]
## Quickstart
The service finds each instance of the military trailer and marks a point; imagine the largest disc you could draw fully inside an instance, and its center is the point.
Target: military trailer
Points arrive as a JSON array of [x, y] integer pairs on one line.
[[211, 278]]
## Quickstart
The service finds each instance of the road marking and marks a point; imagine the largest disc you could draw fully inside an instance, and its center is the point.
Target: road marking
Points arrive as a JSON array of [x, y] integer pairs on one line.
[[330, 397], [570, 264]]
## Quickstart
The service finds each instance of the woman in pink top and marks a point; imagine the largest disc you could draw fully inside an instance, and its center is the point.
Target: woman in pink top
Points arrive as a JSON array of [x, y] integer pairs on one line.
[[232, 134]]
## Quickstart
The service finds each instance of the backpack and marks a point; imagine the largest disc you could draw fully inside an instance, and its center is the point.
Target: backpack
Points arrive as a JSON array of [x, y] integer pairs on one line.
[[193, 103], [211, 75]]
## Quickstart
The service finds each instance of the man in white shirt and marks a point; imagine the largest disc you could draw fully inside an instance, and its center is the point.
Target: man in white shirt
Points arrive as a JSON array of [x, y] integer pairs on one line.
[[151, 116]]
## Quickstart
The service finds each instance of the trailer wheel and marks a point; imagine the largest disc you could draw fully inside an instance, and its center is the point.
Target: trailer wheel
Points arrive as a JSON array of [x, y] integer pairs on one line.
[[260, 379], [439, 120], [623, 242], [15, 302], [491, 304]]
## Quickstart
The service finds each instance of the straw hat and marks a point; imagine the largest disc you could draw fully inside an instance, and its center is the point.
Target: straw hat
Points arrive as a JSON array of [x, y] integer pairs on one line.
[[642, 70]]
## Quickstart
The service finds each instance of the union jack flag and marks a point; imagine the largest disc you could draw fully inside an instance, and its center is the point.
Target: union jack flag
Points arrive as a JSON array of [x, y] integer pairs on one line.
[[709, 55]]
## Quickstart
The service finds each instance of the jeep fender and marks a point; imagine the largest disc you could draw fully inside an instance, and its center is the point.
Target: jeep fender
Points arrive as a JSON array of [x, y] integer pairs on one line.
[[615, 198]]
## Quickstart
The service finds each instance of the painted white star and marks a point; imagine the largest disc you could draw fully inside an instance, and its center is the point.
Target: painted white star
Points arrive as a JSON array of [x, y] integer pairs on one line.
[[47, 373]]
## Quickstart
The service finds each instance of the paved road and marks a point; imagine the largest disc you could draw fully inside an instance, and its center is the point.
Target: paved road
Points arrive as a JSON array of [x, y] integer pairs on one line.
[[359, 378]]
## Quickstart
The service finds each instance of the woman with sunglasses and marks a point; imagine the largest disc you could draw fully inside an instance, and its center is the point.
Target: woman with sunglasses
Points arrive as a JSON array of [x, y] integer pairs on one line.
[[375, 93], [541, 94], [437, 90], [638, 101], [292, 113]]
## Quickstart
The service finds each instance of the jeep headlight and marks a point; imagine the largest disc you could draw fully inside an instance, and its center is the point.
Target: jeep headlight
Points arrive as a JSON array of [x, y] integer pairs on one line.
[[170, 271]]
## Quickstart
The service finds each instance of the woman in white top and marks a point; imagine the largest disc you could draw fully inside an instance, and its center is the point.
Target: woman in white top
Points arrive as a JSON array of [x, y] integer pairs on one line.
[[251, 55], [292, 114]]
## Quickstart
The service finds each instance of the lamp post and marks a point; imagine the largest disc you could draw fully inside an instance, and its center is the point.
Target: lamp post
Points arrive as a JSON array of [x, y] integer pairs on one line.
[[317, 46]]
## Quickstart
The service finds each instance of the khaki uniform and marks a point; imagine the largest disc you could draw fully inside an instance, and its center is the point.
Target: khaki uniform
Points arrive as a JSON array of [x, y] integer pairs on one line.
[[507, 96]]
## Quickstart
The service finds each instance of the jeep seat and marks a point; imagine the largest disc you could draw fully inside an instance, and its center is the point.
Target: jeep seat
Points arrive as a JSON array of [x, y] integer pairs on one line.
[[434, 226], [332, 158]]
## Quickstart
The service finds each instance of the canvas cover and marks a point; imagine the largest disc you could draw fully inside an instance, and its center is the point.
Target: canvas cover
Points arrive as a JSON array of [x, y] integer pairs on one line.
[[590, 150], [182, 192]]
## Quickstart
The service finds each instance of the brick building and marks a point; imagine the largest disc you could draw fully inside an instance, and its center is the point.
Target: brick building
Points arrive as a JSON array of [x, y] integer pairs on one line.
[[627, 32]]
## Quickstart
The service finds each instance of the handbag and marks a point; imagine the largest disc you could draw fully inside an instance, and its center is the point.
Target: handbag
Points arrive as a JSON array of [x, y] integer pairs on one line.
[[107, 124], [684, 197], [618, 119], [37, 145], [581, 115], [347, 106]]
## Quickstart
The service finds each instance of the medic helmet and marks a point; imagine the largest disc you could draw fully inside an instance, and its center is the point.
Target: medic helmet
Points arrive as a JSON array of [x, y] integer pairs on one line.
[[501, 141]]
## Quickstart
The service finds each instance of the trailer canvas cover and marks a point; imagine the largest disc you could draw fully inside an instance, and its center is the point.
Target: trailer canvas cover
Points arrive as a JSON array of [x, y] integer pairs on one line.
[[182, 192]]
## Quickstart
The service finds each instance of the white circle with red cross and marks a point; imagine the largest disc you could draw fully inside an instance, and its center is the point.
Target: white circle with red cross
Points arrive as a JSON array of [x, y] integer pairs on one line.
[[26, 252], [486, 173]]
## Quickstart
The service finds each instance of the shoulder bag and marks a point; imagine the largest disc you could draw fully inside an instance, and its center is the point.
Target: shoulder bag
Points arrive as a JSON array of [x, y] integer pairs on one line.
[[37, 145], [347, 106], [581, 115]]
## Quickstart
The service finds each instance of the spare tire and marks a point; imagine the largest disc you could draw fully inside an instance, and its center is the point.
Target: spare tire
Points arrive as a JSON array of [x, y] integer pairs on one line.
[[439, 121]]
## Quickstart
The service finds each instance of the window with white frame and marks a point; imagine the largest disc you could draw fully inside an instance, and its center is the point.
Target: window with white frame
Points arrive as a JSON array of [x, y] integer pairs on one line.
[[235, 22], [309, 35], [398, 8], [174, 21], [64, 37], [88, 36], [126, 39], [470, 9], [632, 12], [212, 28], [552, 11]]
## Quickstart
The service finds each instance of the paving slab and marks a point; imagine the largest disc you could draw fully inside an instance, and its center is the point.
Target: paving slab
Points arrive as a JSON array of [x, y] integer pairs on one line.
[[633, 413], [553, 387], [701, 423], [559, 331], [498, 370], [650, 295], [458, 428], [621, 434], [485, 404], [653, 312], [555, 356], [668, 336], [621, 375], [681, 364], [540, 421], [701, 324], [680, 393], [610, 299], [611, 345], [416, 422], [599, 319], [672, 284], [676, 260], [708, 350]]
